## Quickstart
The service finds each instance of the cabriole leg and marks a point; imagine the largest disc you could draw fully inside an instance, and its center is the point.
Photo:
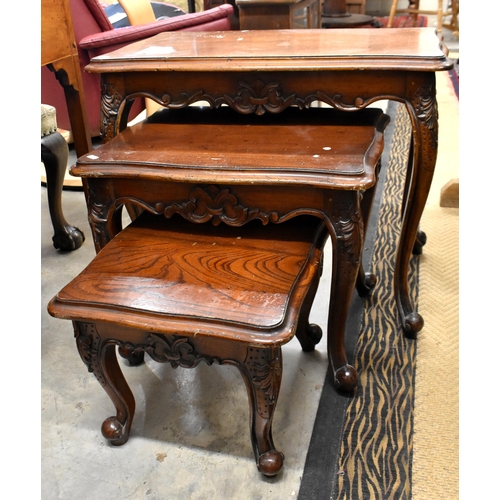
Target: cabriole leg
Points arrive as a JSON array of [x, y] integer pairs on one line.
[[262, 371], [100, 359]]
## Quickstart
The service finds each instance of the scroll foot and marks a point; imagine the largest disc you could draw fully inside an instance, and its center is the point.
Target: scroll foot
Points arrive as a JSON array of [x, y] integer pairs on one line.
[[114, 431], [346, 378], [412, 324], [270, 463], [420, 241], [365, 283], [312, 337]]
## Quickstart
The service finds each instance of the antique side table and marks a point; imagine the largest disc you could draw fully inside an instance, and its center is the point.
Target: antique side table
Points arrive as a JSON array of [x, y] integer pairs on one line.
[[269, 71]]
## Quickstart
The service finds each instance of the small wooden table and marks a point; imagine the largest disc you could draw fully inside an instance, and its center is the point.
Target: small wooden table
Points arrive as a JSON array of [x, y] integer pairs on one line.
[[271, 70], [279, 14]]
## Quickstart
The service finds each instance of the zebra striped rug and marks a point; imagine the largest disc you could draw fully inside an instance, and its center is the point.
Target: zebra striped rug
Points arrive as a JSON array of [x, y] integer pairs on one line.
[[364, 444], [375, 454]]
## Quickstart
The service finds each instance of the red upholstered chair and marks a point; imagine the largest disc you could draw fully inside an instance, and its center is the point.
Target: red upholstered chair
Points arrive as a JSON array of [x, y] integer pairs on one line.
[[95, 35]]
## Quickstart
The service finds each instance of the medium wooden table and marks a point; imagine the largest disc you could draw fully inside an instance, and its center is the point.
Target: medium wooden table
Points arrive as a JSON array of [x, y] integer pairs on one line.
[[269, 71]]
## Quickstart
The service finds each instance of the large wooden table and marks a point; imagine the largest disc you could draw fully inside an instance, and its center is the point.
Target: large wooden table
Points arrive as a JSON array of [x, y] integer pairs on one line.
[[268, 71]]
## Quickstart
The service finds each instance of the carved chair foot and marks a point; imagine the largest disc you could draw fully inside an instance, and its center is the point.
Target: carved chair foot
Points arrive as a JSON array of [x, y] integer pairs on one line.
[[68, 238], [346, 378], [54, 155], [420, 241]]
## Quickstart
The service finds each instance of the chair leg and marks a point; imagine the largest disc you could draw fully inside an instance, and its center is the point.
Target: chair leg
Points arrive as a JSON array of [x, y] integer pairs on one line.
[[100, 358], [392, 13], [55, 158], [262, 370]]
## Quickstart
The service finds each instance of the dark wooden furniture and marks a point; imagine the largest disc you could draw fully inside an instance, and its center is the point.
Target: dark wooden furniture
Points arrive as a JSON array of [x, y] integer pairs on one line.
[[279, 14], [223, 263], [336, 15], [268, 71], [54, 155], [59, 53]]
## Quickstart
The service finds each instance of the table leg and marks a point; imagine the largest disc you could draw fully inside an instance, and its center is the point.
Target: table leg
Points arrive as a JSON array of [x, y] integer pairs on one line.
[[423, 112], [345, 224], [100, 358]]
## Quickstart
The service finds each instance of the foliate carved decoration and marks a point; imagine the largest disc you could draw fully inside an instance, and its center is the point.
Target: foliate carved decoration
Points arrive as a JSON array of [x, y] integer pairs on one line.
[[258, 98], [337, 102], [110, 104], [88, 344], [426, 109], [185, 99], [98, 220], [218, 205], [210, 203], [264, 366], [347, 221], [176, 350]]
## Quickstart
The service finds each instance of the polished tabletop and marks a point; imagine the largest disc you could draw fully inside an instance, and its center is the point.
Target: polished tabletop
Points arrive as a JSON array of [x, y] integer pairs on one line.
[[415, 49]]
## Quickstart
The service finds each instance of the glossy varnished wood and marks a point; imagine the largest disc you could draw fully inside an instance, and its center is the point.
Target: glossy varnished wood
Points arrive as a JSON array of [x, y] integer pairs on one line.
[[187, 293], [268, 71], [163, 167], [224, 258], [158, 274], [415, 49], [220, 146]]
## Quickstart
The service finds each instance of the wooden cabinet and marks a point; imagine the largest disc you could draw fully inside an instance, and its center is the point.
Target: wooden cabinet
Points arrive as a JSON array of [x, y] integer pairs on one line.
[[279, 14]]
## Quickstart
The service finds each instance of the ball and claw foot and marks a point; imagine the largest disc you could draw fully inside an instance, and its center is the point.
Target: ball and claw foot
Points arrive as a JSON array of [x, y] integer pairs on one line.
[[70, 239], [365, 284], [412, 324], [114, 431], [270, 463], [346, 378]]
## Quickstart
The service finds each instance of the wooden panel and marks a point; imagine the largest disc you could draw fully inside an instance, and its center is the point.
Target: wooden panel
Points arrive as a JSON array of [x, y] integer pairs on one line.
[[58, 40]]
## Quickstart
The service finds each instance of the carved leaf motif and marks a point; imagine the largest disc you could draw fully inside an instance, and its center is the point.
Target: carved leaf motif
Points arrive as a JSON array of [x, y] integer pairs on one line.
[[348, 225], [264, 367], [178, 351], [218, 205], [88, 345], [110, 104], [426, 110], [258, 98]]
